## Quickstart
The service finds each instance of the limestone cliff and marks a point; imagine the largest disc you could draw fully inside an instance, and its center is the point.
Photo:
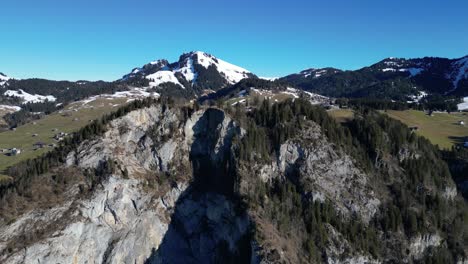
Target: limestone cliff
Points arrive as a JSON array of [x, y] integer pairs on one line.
[[174, 190]]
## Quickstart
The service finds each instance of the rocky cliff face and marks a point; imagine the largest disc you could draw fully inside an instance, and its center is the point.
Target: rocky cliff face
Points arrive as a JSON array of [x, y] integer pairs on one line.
[[324, 174], [328, 174], [173, 192], [125, 221]]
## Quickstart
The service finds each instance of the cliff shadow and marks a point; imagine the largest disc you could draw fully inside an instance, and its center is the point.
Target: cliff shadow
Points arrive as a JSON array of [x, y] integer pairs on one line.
[[458, 140], [209, 223]]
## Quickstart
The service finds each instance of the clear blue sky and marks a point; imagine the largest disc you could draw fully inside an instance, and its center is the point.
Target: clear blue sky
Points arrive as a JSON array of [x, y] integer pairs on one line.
[[104, 39]]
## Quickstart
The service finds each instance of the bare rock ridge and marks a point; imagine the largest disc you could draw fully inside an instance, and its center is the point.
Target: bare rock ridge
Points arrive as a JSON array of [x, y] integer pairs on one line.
[[121, 223]]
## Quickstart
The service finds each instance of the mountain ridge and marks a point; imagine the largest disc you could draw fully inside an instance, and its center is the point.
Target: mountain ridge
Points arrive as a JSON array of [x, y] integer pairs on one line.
[[194, 70], [391, 78], [196, 74]]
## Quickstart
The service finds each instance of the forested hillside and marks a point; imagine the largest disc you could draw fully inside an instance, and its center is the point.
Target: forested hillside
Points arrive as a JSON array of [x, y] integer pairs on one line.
[[296, 187], [391, 78]]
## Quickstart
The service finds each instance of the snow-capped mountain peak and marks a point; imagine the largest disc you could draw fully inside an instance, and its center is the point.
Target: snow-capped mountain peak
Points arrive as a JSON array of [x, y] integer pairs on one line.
[[233, 73], [195, 69], [146, 69], [187, 69]]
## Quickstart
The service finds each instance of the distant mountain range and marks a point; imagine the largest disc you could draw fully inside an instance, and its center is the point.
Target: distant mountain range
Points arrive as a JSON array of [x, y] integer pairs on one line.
[[198, 73], [390, 78]]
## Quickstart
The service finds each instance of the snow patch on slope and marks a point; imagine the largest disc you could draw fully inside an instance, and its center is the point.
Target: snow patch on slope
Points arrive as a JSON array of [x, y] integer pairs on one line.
[[188, 71], [313, 98], [320, 73], [307, 73], [464, 105], [3, 79], [132, 94], [316, 73], [232, 72], [161, 77], [269, 78], [411, 71], [157, 62], [292, 91], [30, 98], [461, 71], [10, 108]]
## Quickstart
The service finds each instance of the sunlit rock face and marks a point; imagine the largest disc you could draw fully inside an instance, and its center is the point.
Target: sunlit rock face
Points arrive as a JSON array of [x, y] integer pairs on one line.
[[123, 221]]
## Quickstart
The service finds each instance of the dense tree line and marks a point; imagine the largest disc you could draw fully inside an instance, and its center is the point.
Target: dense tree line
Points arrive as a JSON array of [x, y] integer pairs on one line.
[[361, 83], [30, 112], [438, 102], [65, 91], [380, 104], [427, 171], [429, 103], [369, 138], [281, 121], [137, 81]]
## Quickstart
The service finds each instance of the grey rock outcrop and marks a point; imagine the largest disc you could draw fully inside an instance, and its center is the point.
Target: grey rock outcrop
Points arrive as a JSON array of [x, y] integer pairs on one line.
[[420, 243], [123, 222], [325, 173]]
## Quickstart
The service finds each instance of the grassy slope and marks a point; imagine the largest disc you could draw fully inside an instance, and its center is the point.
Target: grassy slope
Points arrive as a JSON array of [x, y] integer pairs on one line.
[[441, 128], [68, 120], [341, 115]]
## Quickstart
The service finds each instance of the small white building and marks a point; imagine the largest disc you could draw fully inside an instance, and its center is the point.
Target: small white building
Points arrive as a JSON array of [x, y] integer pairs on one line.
[[461, 123]]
